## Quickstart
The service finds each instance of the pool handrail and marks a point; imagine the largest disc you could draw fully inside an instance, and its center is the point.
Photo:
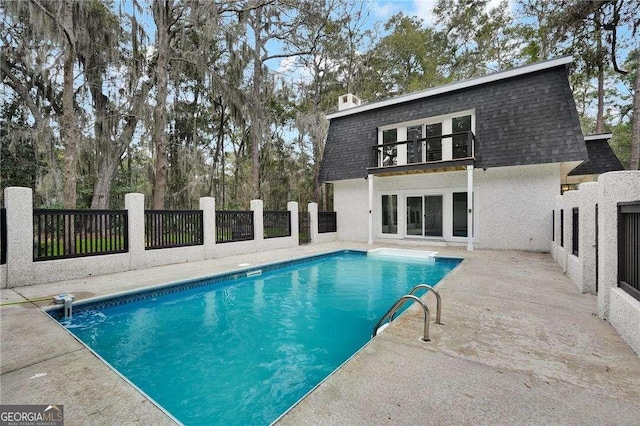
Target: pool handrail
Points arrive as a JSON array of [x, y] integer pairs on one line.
[[396, 306], [438, 300]]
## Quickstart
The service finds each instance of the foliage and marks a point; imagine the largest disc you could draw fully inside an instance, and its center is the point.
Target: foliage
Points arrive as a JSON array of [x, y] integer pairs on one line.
[[228, 98]]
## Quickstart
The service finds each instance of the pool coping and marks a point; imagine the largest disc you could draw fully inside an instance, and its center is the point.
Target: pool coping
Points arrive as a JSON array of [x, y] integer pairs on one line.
[[201, 281]]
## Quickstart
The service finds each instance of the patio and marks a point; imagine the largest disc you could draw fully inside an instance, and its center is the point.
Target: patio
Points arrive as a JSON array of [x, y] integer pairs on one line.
[[519, 344]]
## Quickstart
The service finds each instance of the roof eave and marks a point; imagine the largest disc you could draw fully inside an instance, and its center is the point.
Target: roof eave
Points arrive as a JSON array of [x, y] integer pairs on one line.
[[597, 137]]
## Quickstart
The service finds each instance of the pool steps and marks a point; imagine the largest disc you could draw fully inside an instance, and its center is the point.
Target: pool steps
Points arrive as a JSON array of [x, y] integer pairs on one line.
[[390, 314], [394, 252]]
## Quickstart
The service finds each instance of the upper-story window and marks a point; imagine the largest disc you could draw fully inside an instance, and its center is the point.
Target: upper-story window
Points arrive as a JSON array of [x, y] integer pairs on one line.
[[434, 142], [440, 138], [390, 153], [459, 127]]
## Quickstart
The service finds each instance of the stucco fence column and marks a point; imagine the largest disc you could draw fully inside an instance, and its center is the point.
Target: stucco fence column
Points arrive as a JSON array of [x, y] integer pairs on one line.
[[19, 204], [588, 198], [614, 304], [134, 204], [292, 206], [613, 188], [561, 245], [574, 263], [312, 208], [208, 207], [257, 208]]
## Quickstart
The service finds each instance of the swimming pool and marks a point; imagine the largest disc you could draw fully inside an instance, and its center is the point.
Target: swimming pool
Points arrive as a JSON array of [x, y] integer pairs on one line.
[[242, 348]]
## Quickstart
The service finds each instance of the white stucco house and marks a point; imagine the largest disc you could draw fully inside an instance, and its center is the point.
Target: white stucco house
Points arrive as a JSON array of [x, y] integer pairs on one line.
[[475, 163]]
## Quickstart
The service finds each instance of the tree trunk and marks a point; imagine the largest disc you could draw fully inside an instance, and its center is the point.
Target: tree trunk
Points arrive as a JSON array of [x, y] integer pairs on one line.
[[600, 55], [255, 131], [161, 18], [102, 189], [634, 160], [600, 113], [68, 129]]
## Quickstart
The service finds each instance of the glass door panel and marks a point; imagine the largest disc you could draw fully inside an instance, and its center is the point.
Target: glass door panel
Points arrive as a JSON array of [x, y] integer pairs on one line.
[[389, 214], [414, 215], [459, 214], [433, 215]]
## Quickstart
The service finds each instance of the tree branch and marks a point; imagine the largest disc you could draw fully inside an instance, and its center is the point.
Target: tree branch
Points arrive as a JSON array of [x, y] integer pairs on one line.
[[67, 32]]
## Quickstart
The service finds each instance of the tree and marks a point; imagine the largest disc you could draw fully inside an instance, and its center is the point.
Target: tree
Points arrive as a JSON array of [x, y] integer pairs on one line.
[[606, 16], [476, 38]]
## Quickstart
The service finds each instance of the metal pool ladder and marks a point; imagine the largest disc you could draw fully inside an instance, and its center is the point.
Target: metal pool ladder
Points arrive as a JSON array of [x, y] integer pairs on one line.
[[390, 314]]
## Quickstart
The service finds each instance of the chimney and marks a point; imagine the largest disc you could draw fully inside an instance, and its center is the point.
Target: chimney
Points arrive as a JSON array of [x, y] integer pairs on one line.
[[348, 101]]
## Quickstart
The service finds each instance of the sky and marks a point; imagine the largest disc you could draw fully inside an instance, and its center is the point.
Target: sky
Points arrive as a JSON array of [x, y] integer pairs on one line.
[[382, 10]]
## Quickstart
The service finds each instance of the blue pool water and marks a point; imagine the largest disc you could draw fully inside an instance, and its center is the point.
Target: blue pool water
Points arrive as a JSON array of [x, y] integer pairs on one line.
[[242, 351]]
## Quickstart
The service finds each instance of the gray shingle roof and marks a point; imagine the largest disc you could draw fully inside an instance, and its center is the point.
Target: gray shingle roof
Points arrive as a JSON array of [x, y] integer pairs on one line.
[[527, 119], [602, 159]]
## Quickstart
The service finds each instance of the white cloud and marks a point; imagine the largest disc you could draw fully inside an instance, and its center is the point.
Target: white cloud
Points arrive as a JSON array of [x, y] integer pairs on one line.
[[424, 10], [287, 65], [384, 10]]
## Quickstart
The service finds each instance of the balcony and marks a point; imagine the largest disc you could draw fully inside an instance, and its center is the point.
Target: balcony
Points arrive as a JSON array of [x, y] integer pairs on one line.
[[438, 153]]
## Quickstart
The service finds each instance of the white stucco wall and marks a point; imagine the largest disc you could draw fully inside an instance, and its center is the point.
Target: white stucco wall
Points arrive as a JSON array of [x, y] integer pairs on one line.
[[351, 204], [3, 276], [613, 187], [624, 315], [327, 237], [614, 304], [68, 269], [168, 256], [512, 204]]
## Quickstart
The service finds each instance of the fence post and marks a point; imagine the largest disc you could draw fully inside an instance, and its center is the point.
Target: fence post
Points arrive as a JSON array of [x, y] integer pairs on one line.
[[19, 204], [292, 206], [134, 204], [587, 243], [208, 207], [312, 208], [613, 188], [258, 223]]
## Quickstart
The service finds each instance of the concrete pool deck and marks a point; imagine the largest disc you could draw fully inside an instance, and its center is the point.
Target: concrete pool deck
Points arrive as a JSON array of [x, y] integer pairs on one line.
[[519, 344]]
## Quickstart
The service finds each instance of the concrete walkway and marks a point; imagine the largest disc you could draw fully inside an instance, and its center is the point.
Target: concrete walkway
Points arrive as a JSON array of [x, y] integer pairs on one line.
[[519, 345]]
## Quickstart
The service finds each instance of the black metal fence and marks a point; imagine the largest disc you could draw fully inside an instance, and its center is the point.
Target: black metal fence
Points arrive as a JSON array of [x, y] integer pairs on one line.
[[276, 224], [629, 248], [304, 225], [327, 222], [172, 228], [422, 150], [3, 236], [234, 226], [62, 234], [575, 235], [561, 228]]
